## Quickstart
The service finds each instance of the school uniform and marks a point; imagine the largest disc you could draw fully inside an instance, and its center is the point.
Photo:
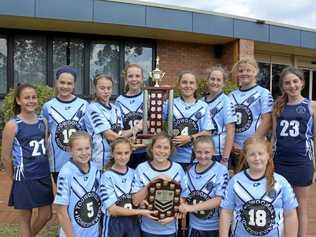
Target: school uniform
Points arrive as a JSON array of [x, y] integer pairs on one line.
[[32, 185]]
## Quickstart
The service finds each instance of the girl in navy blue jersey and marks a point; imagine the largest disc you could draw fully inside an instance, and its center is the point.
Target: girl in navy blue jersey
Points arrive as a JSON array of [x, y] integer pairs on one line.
[[115, 190], [294, 129], [24, 139]]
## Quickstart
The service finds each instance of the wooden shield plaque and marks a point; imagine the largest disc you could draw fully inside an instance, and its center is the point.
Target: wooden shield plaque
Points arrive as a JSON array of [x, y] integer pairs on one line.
[[164, 198]]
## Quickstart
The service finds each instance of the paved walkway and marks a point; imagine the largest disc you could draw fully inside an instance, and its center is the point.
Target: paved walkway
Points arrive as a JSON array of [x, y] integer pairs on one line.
[[8, 215]]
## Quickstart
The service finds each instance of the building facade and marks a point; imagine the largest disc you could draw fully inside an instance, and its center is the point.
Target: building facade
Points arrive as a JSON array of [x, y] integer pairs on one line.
[[98, 36]]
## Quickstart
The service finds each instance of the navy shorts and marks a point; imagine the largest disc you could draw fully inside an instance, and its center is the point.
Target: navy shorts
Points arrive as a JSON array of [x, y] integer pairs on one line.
[[296, 175], [121, 226], [203, 233], [28, 194], [145, 234]]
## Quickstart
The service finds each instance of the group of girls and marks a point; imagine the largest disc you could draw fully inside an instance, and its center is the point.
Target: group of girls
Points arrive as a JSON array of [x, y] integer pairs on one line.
[[261, 201]]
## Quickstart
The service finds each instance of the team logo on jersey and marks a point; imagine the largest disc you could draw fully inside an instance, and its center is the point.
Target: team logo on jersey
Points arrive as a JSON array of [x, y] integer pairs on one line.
[[64, 131], [87, 211], [198, 115], [209, 186], [185, 126], [196, 197], [258, 217], [125, 201], [131, 119], [244, 118], [301, 109]]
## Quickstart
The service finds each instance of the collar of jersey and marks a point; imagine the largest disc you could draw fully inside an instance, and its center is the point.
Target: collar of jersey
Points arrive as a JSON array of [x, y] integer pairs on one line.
[[252, 179], [132, 96], [119, 173], [105, 106], [207, 169], [81, 171], [248, 88], [158, 169], [66, 101], [210, 101], [187, 102]]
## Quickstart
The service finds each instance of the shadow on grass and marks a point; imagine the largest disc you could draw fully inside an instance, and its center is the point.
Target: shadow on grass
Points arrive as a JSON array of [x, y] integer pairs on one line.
[[12, 230]]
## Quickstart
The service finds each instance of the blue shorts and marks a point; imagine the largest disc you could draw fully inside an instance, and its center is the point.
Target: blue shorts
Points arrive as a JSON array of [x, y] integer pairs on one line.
[[145, 234], [296, 175], [121, 226], [203, 233], [29, 194]]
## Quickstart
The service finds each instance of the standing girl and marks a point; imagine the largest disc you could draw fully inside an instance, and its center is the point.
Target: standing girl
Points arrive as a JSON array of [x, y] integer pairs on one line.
[[190, 119], [24, 139], [64, 115], [253, 105], [115, 191], [222, 114], [131, 107], [294, 127], [77, 200], [261, 201], [103, 121], [207, 181], [159, 166]]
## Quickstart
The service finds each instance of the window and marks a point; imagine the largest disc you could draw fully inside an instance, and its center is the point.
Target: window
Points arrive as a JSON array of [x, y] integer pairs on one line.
[[305, 91], [69, 52], [141, 55], [314, 85], [105, 59], [263, 78], [30, 60], [276, 70], [3, 65]]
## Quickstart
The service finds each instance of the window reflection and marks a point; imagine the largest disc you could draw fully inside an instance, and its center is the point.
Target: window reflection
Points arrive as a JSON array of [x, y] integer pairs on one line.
[[30, 60], [276, 70], [71, 53], [314, 85], [3, 66], [105, 58], [305, 91], [263, 77]]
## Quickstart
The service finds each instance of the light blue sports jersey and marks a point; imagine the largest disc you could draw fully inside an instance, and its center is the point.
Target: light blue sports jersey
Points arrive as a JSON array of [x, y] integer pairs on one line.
[[29, 155], [79, 191], [115, 188], [98, 119], [144, 174], [64, 118], [188, 119], [203, 186], [256, 211], [222, 112], [250, 105]]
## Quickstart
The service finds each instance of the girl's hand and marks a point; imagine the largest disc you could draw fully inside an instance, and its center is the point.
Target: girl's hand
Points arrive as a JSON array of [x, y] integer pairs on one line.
[[163, 177], [147, 213], [139, 125], [166, 220], [185, 208], [181, 140]]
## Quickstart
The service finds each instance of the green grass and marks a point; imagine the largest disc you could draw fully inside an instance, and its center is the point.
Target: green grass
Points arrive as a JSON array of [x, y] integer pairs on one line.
[[12, 230]]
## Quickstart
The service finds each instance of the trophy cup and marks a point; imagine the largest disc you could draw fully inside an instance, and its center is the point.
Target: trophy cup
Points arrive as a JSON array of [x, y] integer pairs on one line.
[[153, 105]]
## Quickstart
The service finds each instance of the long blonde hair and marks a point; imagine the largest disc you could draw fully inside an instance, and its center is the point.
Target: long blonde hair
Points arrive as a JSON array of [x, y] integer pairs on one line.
[[283, 99], [270, 166], [247, 60]]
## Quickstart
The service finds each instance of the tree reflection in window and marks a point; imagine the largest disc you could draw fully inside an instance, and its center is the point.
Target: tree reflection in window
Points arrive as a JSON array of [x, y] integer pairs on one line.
[[105, 59], [30, 60], [69, 52], [3, 66]]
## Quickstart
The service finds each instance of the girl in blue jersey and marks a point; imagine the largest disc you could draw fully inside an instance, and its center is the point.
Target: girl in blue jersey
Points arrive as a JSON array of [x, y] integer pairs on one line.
[[207, 180], [115, 189], [78, 204], [222, 114], [253, 105], [131, 107], [294, 129], [159, 166], [64, 115], [258, 201], [103, 121], [24, 139], [190, 119]]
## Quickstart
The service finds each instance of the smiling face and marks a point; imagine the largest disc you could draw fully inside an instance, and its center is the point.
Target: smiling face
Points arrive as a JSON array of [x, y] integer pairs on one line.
[[292, 85], [103, 90], [257, 157], [187, 85], [134, 79], [204, 152], [65, 85], [246, 75], [81, 151], [27, 100], [161, 150], [121, 154], [216, 82]]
